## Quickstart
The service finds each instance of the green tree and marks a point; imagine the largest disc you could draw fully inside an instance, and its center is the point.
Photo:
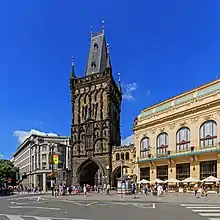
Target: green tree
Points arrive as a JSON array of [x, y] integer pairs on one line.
[[7, 170]]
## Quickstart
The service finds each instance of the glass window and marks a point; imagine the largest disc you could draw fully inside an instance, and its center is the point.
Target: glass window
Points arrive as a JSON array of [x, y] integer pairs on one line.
[[162, 143], [208, 168], [117, 156], [183, 139], [208, 133], [44, 165], [44, 157], [122, 156], [127, 156], [145, 173], [145, 147], [182, 171], [162, 172]]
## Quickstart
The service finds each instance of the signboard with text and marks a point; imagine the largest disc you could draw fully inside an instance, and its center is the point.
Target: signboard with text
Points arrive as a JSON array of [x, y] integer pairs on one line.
[[56, 159]]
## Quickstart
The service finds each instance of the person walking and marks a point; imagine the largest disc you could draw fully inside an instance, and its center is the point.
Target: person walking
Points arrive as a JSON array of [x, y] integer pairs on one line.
[[108, 189], [204, 192], [196, 190], [84, 189]]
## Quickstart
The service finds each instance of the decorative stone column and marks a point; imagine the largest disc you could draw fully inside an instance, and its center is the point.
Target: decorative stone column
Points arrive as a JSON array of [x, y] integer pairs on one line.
[[67, 157], [35, 180], [44, 182], [194, 169], [171, 171], [218, 167], [153, 173]]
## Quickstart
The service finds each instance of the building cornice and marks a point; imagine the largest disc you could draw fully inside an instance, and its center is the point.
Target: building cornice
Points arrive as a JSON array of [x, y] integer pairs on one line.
[[183, 94], [177, 115], [30, 141]]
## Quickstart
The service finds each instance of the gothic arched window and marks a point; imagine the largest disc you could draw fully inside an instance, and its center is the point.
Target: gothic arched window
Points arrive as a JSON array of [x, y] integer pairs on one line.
[[93, 65], [145, 147], [162, 143], [96, 46], [208, 133], [183, 139], [117, 156], [127, 156], [122, 156]]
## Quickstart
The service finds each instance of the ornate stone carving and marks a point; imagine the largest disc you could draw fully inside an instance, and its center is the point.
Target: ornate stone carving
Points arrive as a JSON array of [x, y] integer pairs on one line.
[[172, 125], [194, 119], [153, 131], [136, 121], [195, 95], [145, 135], [162, 130], [207, 117], [182, 124]]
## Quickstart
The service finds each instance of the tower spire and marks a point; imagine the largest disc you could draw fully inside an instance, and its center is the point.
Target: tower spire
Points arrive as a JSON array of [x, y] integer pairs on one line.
[[91, 31], [119, 82], [99, 57], [103, 27], [73, 69]]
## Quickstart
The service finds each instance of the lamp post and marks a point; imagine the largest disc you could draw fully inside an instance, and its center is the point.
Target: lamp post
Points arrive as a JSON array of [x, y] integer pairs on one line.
[[121, 176], [107, 178], [52, 164]]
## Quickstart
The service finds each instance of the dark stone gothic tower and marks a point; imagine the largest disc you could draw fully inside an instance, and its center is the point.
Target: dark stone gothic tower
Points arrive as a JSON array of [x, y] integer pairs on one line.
[[96, 105]]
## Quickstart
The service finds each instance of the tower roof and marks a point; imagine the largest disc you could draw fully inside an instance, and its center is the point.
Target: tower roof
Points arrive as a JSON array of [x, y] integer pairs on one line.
[[99, 58]]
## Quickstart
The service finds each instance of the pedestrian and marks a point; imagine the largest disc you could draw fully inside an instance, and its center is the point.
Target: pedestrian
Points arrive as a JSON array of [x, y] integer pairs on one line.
[[84, 189], [108, 189], [204, 192], [196, 190], [133, 190], [159, 190]]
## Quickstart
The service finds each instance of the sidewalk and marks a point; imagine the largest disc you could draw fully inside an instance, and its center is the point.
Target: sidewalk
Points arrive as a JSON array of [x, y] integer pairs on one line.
[[175, 198]]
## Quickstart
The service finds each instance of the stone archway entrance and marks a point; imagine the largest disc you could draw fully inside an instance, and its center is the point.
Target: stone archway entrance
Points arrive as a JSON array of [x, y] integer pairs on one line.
[[116, 174], [90, 173]]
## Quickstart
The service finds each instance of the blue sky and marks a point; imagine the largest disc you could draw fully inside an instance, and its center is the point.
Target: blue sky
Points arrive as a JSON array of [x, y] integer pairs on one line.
[[161, 48]]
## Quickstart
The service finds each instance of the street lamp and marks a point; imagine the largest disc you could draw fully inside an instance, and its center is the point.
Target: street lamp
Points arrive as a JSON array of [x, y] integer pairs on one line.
[[52, 164], [121, 176], [107, 177]]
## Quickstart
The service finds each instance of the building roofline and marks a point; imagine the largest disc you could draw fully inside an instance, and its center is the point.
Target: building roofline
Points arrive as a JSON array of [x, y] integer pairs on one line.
[[37, 136], [181, 95]]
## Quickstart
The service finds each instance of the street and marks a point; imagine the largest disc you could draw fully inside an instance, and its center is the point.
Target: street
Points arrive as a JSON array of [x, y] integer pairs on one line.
[[35, 207]]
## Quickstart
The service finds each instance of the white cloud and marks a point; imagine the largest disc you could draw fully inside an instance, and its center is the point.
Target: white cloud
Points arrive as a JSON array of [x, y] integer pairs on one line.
[[128, 140], [148, 92], [22, 135], [128, 89]]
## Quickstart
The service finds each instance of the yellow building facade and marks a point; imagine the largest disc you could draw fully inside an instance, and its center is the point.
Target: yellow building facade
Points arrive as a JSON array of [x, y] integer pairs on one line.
[[180, 137], [125, 157]]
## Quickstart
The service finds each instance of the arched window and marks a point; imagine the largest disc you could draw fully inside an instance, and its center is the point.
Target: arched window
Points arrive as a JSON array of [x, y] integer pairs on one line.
[[117, 156], [183, 139], [162, 143], [208, 133], [145, 147], [122, 156], [96, 46], [127, 156]]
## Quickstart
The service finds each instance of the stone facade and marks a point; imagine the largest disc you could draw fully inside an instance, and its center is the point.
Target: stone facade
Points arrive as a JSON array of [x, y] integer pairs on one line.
[[180, 137], [96, 106], [124, 156], [32, 158]]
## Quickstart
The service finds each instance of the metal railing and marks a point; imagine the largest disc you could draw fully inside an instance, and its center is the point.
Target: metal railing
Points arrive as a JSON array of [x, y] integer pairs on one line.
[[188, 152]]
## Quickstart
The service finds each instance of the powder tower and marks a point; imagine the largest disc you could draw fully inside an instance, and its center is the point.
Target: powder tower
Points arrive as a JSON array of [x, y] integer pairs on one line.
[[96, 105]]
